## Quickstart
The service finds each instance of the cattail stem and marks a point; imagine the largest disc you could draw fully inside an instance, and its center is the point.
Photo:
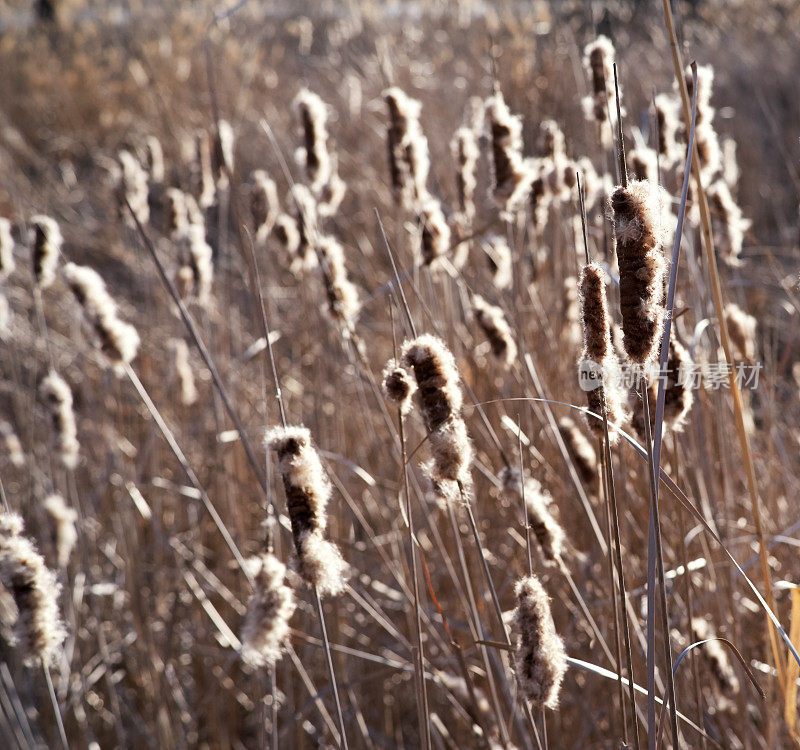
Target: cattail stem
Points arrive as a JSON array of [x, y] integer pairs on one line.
[[655, 561], [422, 688], [612, 584], [62, 735], [329, 662], [195, 482]]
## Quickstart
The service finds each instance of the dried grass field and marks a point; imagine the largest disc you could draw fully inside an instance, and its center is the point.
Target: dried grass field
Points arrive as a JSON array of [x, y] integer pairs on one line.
[[382, 375]]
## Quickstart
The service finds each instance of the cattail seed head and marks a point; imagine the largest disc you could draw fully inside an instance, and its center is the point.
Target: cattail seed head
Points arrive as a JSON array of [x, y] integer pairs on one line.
[[599, 356], [266, 625], [64, 518], [38, 631], [437, 377], [580, 450], [311, 113], [176, 212], [264, 204], [539, 655], [46, 249], [308, 491], [7, 264], [222, 154], [741, 330], [667, 122], [287, 233], [57, 396], [728, 223], [547, 531], [409, 160], [119, 340], [643, 164], [332, 193], [440, 400], [183, 369], [304, 209], [154, 159], [196, 273], [464, 147], [493, 323], [343, 302], [498, 258], [638, 229], [133, 188], [601, 105], [398, 386], [203, 175], [12, 445], [511, 173], [435, 237]]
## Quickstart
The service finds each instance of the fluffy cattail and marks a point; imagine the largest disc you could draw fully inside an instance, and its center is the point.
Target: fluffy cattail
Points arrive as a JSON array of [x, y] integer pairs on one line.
[[308, 491], [5, 318], [12, 445], [46, 249], [601, 105], [311, 112], [7, 264], [64, 518], [552, 144], [332, 193], [638, 230], [264, 204], [343, 302], [716, 656], [706, 139], [493, 322], [176, 212], [539, 657], [132, 187], [539, 197], [511, 173], [204, 189], [196, 273], [580, 451], [667, 123], [435, 236], [498, 257], [592, 183], [440, 400], [119, 340], [678, 394], [222, 155], [599, 356], [266, 625], [547, 531], [730, 164], [643, 164], [741, 330], [38, 631], [728, 223], [184, 371], [409, 161], [58, 398], [154, 155], [398, 386], [464, 147], [287, 233], [304, 210]]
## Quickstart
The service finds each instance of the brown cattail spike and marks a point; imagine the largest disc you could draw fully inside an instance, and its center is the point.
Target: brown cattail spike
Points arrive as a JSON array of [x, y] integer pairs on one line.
[[269, 610], [398, 386], [539, 656], [493, 323], [39, 631], [637, 211], [308, 491], [57, 396]]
